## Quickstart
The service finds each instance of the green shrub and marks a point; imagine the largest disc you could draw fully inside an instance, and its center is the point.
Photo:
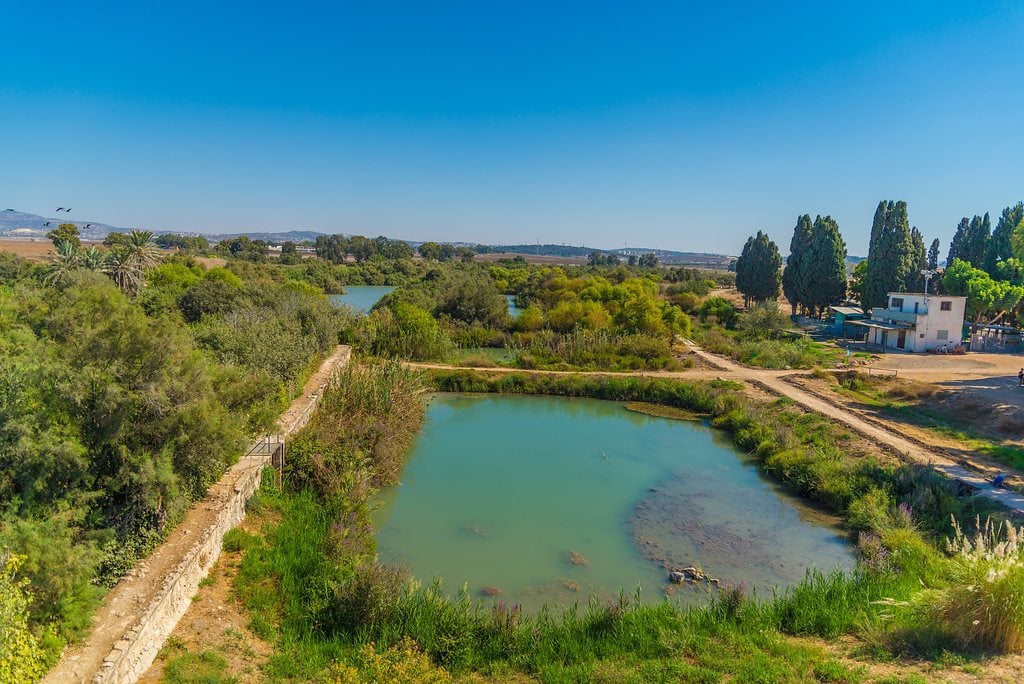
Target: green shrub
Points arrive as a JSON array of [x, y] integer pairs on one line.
[[21, 658]]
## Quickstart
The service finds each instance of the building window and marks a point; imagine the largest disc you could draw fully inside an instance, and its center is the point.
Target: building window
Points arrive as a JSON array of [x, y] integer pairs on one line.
[[946, 306], [942, 335], [896, 303]]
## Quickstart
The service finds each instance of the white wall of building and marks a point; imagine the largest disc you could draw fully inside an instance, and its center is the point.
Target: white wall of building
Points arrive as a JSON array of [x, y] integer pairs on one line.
[[934, 321]]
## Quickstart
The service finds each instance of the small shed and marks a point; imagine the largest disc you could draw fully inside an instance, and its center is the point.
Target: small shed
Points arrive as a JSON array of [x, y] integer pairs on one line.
[[996, 339], [841, 316]]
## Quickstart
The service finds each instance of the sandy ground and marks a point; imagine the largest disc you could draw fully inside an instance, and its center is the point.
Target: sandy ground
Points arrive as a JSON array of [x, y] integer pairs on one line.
[[217, 621], [35, 250], [126, 602], [532, 258]]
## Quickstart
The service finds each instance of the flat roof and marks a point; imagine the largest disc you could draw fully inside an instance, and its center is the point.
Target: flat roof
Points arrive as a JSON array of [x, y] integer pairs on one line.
[[922, 294], [848, 310], [870, 323]]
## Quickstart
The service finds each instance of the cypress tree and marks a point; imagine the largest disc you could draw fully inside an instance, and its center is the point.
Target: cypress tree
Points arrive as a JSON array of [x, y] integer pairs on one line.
[[758, 274], [825, 266], [795, 275], [956, 247], [914, 281], [933, 255], [1000, 247], [976, 240], [890, 255]]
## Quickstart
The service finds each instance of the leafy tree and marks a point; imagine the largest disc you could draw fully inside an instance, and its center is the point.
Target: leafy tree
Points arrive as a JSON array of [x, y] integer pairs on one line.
[[758, 270], [245, 248], [858, 280], [891, 256], [362, 248], [289, 254], [21, 658], [185, 244], [448, 252], [115, 239], [598, 258], [794, 277], [648, 261], [393, 249], [933, 255], [65, 232], [331, 248], [473, 298], [1000, 247], [431, 251], [987, 299]]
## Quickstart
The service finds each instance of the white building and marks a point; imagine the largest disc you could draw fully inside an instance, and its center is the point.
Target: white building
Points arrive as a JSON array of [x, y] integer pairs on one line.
[[916, 322]]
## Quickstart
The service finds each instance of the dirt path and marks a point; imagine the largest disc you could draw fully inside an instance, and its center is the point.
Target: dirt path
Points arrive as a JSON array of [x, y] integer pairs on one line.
[[126, 604], [883, 433]]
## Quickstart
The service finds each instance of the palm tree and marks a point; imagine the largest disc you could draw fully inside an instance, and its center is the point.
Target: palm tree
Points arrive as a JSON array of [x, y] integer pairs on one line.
[[143, 248], [65, 262], [91, 259], [122, 265]]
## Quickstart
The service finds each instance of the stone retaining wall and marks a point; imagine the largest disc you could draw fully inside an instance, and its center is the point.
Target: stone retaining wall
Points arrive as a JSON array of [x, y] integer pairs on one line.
[[133, 654]]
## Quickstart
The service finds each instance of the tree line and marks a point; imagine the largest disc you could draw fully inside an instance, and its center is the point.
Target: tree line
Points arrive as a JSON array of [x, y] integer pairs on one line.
[[983, 264]]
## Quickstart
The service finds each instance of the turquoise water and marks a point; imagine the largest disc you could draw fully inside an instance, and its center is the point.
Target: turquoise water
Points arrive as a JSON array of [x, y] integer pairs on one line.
[[362, 297], [505, 493], [513, 310]]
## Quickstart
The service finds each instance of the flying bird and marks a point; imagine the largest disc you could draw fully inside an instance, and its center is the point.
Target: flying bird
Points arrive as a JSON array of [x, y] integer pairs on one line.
[[88, 225], [47, 223], [68, 210], [60, 208]]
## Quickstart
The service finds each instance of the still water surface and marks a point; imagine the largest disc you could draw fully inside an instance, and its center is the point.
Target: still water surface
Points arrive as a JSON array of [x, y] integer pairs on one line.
[[504, 492], [362, 297]]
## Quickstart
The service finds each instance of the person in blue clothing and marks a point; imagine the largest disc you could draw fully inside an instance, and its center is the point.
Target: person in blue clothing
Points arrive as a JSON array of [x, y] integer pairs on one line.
[[997, 481]]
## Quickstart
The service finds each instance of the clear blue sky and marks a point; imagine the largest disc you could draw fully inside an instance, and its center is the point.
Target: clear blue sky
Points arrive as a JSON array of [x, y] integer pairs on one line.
[[676, 125]]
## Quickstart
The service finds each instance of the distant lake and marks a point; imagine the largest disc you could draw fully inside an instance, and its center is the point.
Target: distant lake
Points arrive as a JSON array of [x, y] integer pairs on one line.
[[361, 298]]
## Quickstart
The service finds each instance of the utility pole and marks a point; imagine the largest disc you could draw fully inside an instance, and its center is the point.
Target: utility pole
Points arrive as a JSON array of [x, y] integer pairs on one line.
[[927, 276]]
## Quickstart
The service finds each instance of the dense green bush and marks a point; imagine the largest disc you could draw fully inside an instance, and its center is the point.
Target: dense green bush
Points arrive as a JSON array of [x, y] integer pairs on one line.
[[115, 415]]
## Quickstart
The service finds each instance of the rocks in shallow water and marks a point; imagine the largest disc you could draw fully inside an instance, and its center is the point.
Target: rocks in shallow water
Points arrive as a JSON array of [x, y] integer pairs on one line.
[[569, 584], [577, 558], [691, 574], [490, 591]]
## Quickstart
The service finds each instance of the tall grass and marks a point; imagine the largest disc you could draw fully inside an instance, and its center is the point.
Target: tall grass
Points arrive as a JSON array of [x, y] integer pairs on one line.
[[984, 606]]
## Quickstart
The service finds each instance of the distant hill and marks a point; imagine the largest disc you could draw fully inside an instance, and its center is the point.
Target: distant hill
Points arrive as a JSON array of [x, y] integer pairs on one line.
[[19, 224], [16, 224]]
